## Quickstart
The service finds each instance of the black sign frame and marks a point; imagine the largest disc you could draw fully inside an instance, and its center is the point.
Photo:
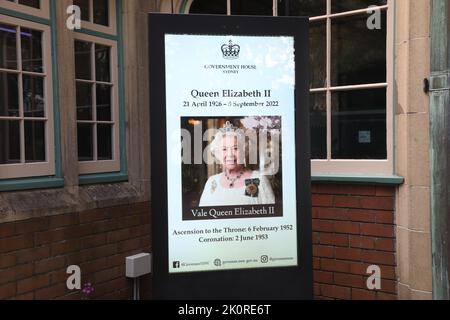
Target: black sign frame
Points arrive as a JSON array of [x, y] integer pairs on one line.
[[265, 283]]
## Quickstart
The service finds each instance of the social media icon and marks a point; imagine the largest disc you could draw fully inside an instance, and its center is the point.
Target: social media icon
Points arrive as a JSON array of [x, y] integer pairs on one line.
[[176, 264]]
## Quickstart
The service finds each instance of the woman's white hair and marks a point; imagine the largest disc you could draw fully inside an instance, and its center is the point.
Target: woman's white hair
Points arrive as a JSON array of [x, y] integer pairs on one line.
[[230, 131]]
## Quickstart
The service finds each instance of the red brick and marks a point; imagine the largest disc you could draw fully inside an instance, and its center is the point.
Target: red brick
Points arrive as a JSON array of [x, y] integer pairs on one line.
[[338, 240], [359, 294], [146, 242], [333, 213], [93, 266], [65, 247], [378, 203], [334, 265], [388, 286], [93, 241], [32, 225], [91, 254], [377, 257], [117, 260], [385, 191], [7, 291], [388, 272], [359, 215], [49, 265], [120, 235], [323, 251], [60, 276], [110, 286], [128, 245], [316, 263], [359, 268], [385, 245], [31, 284], [7, 261], [108, 274], [34, 254], [323, 225], [386, 296], [349, 280], [347, 202], [346, 227], [315, 212], [316, 238], [348, 254], [362, 242], [316, 290], [386, 217], [335, 292], [25, 297], [94, 215], [16, 243], [73, 232], [63, 220], [322, 200], [16, 273], [323, 277], [344, 190], [52, 292], [6, 230], [377, 230]]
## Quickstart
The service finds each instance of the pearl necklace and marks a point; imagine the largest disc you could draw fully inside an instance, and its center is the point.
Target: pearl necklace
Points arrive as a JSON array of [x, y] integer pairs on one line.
[[233, 180]]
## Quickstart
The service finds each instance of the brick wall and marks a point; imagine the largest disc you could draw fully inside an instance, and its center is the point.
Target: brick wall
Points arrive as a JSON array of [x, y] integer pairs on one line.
[[353, 228], [35, 253]]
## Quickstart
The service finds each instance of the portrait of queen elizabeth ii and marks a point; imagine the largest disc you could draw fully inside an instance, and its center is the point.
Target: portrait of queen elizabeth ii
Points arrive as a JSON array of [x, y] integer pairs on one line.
[[236, 184]]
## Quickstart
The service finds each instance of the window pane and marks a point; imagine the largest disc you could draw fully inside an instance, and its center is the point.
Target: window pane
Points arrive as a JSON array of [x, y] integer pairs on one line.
[[83, 60], [359, 124], [348, 5], [85, 142], [252, 7], [8, 47], [31, 3], [9, 142], [358, 54], [31, 41], [9, 95], [84, 6], [101, 12], [33, 96], [34, 141], [208, 6], [308, 8], [84, 101], [318, 126], [104, 144], [103, 103], [318, 53], [102, 66]]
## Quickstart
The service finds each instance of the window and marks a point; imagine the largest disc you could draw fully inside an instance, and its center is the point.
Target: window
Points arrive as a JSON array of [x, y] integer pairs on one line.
[[38, 8], [26, 110], [351, 79], [98, 15], [97, 104]]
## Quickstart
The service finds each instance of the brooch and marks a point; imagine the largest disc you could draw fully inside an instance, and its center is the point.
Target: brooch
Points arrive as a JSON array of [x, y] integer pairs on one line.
[[213, 186], [252, 187]]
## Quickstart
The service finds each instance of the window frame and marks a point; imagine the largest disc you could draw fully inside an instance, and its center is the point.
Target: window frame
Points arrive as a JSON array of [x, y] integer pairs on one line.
[[345, 167], [39, 169], [43, 12], [114, 165], [358, 166], [90, 25]]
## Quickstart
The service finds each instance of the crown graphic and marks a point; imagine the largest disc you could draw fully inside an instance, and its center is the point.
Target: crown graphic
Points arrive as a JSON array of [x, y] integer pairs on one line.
[[231, 51]]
